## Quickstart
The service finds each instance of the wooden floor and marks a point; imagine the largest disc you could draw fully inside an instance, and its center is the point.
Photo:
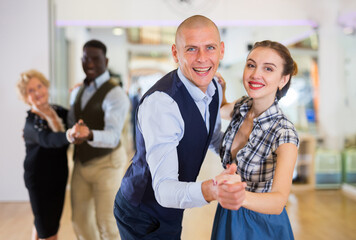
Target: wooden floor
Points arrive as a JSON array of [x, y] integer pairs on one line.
[[314, 214]]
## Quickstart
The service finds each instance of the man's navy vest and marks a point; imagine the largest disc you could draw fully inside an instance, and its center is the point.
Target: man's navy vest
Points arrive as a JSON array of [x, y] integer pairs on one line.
[[136, 185]]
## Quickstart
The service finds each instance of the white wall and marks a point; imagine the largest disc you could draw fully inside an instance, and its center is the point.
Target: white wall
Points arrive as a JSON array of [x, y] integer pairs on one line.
[[24, 45], [350, 82], [152, 11], [77, 36], [331, 58]]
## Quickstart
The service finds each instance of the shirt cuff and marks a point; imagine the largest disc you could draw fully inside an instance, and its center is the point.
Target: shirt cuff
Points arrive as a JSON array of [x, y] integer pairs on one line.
[[69, 138], [196, 194], [92, 142], [103, 139]]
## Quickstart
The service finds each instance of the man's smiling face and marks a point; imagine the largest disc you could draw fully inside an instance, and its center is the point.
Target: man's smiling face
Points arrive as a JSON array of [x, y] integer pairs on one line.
[[198, 51]]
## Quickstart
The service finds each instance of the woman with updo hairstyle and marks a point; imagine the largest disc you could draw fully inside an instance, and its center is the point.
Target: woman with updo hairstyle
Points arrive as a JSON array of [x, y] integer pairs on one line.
[[263, 144], [45, 165], [290, 67]]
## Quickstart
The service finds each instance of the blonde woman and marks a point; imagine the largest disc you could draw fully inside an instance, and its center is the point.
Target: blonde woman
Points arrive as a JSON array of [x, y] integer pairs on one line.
[[46, 169]]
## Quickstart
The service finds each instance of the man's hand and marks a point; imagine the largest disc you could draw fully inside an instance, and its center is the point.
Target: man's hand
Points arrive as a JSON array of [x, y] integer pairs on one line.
[[226, 188], [80, 133]]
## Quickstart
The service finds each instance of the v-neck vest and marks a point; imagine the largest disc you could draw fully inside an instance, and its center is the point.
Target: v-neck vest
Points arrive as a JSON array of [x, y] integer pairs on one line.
[[136, 185], [93, 116]]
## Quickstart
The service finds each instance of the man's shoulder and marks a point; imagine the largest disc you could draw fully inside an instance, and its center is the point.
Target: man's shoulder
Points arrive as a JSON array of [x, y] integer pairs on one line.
[[113, 82], [166, 80], [117, 94], [74, 91]]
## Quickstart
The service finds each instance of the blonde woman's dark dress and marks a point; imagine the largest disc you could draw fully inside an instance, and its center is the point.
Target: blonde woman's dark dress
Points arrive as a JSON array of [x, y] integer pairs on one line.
[[46, 171]]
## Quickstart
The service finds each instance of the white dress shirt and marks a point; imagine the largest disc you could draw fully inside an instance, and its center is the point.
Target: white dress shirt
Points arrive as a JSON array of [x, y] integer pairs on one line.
[[116, 105], [162, 127]]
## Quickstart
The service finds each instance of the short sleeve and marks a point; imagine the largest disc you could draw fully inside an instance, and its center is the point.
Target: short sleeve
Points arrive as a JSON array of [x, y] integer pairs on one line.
[[288, 135], [238, 104]]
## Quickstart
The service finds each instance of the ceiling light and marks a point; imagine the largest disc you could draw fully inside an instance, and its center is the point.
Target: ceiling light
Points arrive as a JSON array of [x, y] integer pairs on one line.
[[117, 31], [348, 30]]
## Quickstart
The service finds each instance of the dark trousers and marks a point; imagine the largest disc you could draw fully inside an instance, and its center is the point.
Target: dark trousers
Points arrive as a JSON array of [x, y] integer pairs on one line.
[[134, 224]]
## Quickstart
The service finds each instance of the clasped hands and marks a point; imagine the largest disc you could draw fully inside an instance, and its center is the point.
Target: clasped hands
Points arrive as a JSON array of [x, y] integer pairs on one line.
[[79, 133], [228, 189]]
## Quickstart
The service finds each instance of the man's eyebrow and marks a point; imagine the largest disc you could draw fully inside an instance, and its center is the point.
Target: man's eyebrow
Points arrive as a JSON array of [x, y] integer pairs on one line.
[[208, 44]]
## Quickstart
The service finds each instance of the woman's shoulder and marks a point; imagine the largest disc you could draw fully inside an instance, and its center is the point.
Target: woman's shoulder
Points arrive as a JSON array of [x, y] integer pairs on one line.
[[241, 101], [286, 129], [34, 121], [61, 111], [29, 113], [31, 116], [284, 121], [59, 108]]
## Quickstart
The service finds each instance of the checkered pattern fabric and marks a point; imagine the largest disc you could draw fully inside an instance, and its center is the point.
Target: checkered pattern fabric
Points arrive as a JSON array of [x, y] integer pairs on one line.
[[256, 161]]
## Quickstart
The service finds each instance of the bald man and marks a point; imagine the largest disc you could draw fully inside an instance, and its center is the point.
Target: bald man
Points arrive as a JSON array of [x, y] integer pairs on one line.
[[177, 121]]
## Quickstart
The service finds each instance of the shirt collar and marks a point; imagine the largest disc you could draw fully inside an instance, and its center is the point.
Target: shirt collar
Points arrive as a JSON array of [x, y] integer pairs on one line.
[[194, 91], [100, 79], [265, 120], [267, 117], [245, 107]]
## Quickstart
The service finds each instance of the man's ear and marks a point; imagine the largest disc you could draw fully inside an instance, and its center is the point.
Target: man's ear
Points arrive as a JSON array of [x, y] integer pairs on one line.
[[222, 50], [174, 53]]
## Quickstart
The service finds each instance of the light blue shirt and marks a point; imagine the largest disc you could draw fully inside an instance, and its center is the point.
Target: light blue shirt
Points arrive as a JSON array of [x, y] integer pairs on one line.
[[116, 105], [162, 127]]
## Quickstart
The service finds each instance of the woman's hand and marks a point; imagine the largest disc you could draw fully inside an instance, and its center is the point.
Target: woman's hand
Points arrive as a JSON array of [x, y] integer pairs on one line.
[[80, 133], [226, 108], [221, 81], [75, 86], [226, 188], [228, 176]]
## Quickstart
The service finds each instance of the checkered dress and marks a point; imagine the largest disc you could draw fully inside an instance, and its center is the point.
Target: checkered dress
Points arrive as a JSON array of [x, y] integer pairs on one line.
[[256, 161]]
